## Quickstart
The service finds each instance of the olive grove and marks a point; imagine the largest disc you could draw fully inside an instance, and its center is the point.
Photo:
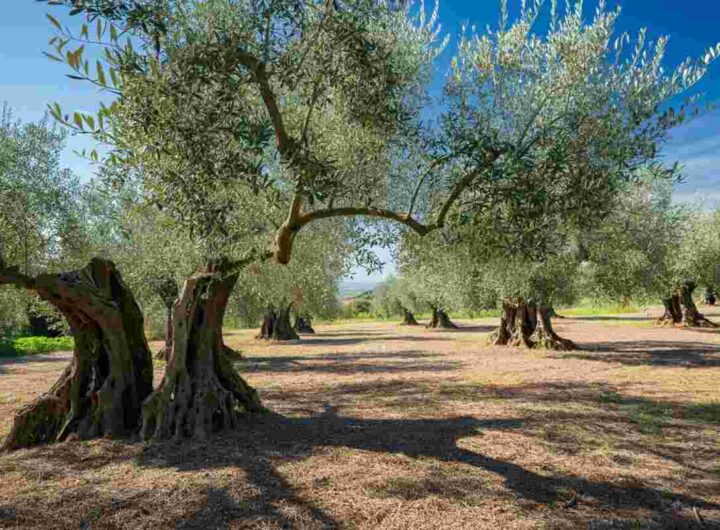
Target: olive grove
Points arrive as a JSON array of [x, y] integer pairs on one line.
[[258, 130]]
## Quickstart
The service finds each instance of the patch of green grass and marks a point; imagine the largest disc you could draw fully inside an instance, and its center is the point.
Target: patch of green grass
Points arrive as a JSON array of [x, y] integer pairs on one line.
[[649, 417], [599, 310], [702, 412], [32, 345]]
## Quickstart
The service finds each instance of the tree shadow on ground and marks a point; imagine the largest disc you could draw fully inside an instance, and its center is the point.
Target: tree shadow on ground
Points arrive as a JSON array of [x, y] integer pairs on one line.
[[611, 318], [406, 361], [478, 328], [320, 339], [5, 361], [651, 352], [265, 438]]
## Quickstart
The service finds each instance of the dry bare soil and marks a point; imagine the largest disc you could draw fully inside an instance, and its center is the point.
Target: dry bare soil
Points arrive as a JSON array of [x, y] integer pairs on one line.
[[376, 426]]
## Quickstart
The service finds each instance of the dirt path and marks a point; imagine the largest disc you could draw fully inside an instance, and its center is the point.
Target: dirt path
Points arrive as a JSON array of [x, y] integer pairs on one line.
[[380, 426]]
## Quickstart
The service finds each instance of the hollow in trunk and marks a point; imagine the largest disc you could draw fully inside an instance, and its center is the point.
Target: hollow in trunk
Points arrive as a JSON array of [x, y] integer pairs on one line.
[[101, 391], [201, 392]]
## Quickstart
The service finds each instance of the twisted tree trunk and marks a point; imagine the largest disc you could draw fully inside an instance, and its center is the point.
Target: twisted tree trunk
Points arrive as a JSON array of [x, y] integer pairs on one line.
[[276, 325], [100, 393], [691, 317], [303, 325], [504, 332], [672, 313], [529, 326], [441, 320], [525, 323], [408, 318], [544, 335], [201, 392]]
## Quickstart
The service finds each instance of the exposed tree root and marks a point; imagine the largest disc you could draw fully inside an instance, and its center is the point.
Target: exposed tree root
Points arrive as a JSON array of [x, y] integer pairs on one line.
[[408, 318]]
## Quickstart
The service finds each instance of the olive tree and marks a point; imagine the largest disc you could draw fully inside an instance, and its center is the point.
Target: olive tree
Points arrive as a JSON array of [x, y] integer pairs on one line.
[[575, 117], [38, 213], [628, 255], [238, 113]]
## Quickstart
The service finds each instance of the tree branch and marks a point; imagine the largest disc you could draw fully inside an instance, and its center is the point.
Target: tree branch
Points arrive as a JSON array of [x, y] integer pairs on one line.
[[13, 276], [350, 211], [285, 143]]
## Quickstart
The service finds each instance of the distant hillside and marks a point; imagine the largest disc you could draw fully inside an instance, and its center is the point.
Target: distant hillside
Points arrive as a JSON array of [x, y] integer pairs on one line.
[[351, 289]]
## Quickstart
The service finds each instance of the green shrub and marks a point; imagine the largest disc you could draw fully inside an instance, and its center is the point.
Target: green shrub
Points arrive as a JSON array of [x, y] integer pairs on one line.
[[31, 345]]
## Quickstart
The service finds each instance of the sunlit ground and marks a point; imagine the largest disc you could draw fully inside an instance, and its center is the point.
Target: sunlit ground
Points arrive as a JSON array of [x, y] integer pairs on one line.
[[374, 425]]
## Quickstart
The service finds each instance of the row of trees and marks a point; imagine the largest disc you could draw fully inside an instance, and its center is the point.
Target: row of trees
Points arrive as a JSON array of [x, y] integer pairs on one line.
[[253, 126], [647, 250]]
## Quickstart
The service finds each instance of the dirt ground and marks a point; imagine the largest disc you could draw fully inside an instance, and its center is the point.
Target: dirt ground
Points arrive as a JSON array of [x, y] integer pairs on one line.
[[377, 426]]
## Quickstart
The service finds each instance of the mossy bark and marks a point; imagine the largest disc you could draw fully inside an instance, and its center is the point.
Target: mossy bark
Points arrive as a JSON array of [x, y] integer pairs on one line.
[[440, 320], [201, 392], [276, 325], [408, 318], [101, 391]]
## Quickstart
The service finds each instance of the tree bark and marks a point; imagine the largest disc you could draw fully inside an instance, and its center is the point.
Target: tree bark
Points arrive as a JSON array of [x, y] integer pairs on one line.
[[504, 332], [544, 335], [408, 318], [303, 325], [525, 322], [691, 317], [101, 391], [441, 320], [277, 325], [201, 392], [672, 311]]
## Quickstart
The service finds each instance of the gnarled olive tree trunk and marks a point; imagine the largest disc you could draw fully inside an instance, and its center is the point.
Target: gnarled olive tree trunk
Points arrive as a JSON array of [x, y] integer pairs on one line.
[[672, 311], [276, 325], [691, 317], [544, 335], [441, 320], [528, 325], [408, 318], [303, 324], [201, 392], [101, 391], [680, 308]]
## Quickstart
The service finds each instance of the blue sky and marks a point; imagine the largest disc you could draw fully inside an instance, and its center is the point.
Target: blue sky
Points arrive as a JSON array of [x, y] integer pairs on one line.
[[28, 81]]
